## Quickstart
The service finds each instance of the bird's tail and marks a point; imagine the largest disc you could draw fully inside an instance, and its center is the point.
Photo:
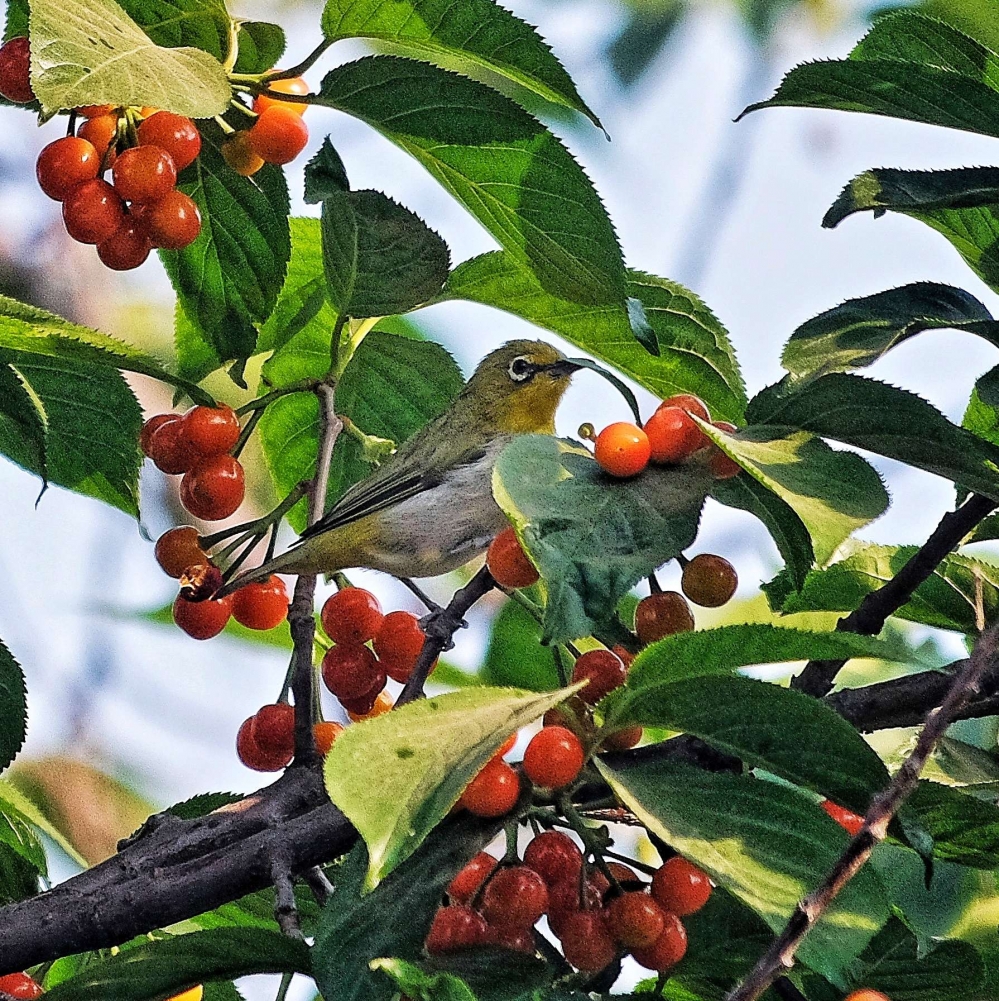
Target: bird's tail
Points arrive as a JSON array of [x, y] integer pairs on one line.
[[285, 563]]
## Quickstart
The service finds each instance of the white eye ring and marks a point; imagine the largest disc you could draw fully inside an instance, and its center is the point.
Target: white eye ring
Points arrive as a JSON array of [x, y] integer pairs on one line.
[[520, 368]]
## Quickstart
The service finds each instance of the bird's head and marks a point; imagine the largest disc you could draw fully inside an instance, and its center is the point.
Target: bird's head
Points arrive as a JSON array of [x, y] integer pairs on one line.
[[518, 387]]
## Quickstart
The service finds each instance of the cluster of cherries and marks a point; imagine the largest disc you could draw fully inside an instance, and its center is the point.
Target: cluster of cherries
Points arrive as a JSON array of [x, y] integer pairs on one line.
[[669, 436], [277, 135], [266, 741], [25, 988]]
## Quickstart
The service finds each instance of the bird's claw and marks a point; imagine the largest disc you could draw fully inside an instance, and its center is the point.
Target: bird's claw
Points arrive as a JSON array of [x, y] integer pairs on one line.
[[441, 625]]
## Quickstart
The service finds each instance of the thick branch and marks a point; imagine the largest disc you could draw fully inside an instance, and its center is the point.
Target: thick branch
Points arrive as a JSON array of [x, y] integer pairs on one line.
[[964, 687], [874, 611]]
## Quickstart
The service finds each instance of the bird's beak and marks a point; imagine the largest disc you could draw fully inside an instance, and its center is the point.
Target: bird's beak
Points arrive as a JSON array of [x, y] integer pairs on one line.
[[564, 368]]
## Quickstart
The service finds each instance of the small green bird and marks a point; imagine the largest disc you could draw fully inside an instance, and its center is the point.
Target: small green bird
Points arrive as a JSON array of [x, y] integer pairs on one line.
[[429, 508]]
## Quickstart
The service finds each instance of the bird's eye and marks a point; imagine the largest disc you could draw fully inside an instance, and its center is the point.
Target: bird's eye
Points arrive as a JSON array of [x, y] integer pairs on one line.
[[521, 369]]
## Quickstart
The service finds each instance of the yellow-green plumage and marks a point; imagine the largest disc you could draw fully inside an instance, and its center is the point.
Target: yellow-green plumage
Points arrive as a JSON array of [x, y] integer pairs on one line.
[[429, 508]]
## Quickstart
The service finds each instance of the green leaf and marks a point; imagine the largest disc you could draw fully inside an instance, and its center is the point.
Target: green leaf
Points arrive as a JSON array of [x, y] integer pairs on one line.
[[591, 537], [325, 174], [882, 419], [476, 31], [202, 804], [415, 983], [964, 829], [396, 777], [17, 835], [203, 24], [833, 492], [506, 168], [228, 279], [767, 845], [92, 52], [22, 424], [12, 798], [515, 655], [18, 877], [13, 707], [261, 45], [498, 974], [393, 920], [166, 967], [860, 331], [695, 355]]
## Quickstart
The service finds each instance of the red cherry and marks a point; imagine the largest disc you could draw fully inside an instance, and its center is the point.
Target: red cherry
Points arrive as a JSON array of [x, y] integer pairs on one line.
[[273, 729], [64, 164], [398, 643], [176, 134], [211, 430], [508, 937], [168, 447], [382, 704], [174, 221], [554, 856], [673, 435], [564, 900], [325, 735], [278, 135], [493, 792], [689, 403], [178, 549], [679, 886], [352, 615], [622, 740], [455, 927], [515, 897], [635, 920], [19, 985], [144, 174], [508, 563], [94, 110], [554, 757], [92, 212], [293, 85], [100, 132], [262, 604], [668, 949], [661, 615], [602, 670], [849, 821], [202, 620], [367, 702], [148, 429], [349, 670], [866, 994], [622, 449], [15, 84], [585, 941], [248, 751], [127, 249], [213, 488], [466, 883]]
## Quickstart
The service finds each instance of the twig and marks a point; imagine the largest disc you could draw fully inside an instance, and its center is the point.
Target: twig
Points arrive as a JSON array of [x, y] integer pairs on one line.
[[869, 618], [285, 905], [780, 956]]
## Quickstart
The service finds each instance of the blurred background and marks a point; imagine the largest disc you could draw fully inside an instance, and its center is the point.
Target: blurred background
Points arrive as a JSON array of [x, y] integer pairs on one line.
[[127, 714]]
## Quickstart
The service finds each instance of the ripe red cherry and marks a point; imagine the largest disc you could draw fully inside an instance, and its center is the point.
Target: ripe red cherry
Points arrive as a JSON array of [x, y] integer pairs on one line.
[[689, 403], [19, 985], [466, 883], [178, 549], [585, 941], [93, 212], [349, 670], [94, 110], [455, 927], [294, 85], [709, 580], [398, 643], [168, 447], [273, 729], [493, 792], [15, 81], [508, 937], [253, 756], [635, 920], [325, 734], [668, 949], [382, 704], [866, 994], [602, 670], [849, 821], [515, 898], [127, 249], [174, 221], [661, 615], [150, 427], [262, 604], [144, 174], [278, 135], [213, 488], [175, 134], [622, 449], [623, 740], [202, 620], [211, 430], [352, 615], [679, 886], [508, 563], [554, 757], [673, 435], [564, 900], [554, 856], [64, 164], [100, 132]]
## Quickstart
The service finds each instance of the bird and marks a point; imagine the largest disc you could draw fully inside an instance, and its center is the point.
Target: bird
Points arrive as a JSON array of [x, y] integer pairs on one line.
[[429, 508]]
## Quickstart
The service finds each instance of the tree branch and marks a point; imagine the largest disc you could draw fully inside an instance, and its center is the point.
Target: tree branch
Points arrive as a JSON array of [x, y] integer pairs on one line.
[[965, 686]]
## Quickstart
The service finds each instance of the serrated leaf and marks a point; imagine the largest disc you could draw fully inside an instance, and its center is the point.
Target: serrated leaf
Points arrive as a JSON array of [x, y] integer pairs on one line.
[[325, 174], [767, 845], [17, 835], [416, 983], [506, 168], [169, 966], [22, 424], [695, 355], [203, 24], [965, 830], [228, 279], [261, 45], [13, 707], [497, 974], [833, 492], [18, 877], [396, 777], [478, 31], [592, 537], [92, 52], [515, 655], [202, 804]]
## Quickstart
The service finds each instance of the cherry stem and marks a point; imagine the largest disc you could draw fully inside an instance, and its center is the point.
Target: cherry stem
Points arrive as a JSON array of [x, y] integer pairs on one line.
[[239, 106], [654, 586], [244, 435], [682, 560], [258, 525], [510, 856], [303, 386], [649, 870], [304, 66], [579, 825]]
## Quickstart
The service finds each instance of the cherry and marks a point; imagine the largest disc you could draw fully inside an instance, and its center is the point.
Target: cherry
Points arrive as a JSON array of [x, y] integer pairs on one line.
[[709, 580], [349, 670], [668, 949], [622, 449], [202, 619], [150, 427], [144, 174], [168, 447], [689, 403], [173, 222], [253, 756], [470, 878], [493, 792], [18, 985], [585, 941], [508, 937], [554, 757], [674, 435], [398, 643], [634, 919], [273, 728], [382, 704], [101, 132], [623, 740], [127, 249], [662, 614], [507, 746], [679, 886], [622, 873], [213, 488], [200, 581], [455, 927], [176, 134], [849, 821], [365, 704], [352, 615], [210, 430], [508, 563], [564, 900], [602, 670], [554, 856], [262, 604], [195, 993], [866, 994], [93, 212], [94, 110], [278, 135], [324, 734], [238, 153], [15, 81], [293, 85], [64, 164], [514, 898], [722, 467], [178, 549]]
